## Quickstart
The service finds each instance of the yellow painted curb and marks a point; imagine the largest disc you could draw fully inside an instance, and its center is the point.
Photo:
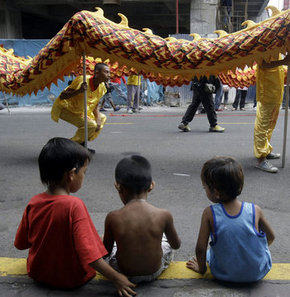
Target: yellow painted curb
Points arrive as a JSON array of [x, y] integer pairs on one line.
[[176, 270], [12, 266]]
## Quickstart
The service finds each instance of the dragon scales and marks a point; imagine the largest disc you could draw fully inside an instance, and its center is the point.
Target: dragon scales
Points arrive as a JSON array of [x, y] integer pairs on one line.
[[166, 61]]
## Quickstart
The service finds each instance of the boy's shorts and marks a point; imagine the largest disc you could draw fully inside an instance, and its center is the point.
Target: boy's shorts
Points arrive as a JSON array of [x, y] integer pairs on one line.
[[165, 261]]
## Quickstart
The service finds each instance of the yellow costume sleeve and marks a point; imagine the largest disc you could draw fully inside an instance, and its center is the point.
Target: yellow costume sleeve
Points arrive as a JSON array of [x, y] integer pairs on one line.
[[76, 103]]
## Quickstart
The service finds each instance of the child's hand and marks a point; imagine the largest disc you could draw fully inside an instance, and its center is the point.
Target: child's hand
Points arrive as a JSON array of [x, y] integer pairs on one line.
[[192, 264], [124, 286], [120, 281]]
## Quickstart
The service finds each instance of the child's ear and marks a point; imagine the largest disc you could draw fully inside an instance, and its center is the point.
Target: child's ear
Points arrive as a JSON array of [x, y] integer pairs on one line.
[[118, 187], [152, 186], [216, 194], [71, 174]]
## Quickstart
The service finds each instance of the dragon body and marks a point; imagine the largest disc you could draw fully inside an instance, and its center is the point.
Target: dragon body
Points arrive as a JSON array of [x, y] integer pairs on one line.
[[167, 61]]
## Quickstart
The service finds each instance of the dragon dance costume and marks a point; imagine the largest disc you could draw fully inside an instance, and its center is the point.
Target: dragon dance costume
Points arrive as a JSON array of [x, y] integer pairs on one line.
[[269, 94], [72, 110]]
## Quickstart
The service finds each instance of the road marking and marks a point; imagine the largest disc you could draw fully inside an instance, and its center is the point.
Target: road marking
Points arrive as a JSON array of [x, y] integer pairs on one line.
[[222, 123], [119, 123], [181, 174], [241, 123], [177, 270]]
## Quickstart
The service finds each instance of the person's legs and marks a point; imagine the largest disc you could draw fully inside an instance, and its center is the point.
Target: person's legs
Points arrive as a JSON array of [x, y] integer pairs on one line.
[[237, 99], [207, 101], [192, 108], [76, 121], [79, 122], [218, 97], [243, 99], [130, 94], [190, 112], [136, 98], [226, 97], [266, 118], [92, 133]]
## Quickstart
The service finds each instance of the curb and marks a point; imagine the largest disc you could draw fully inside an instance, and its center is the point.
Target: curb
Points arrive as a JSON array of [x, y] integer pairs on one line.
[[176, 270]]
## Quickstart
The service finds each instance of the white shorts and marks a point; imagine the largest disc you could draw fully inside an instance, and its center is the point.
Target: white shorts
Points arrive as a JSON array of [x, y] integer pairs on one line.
[[165, 261]]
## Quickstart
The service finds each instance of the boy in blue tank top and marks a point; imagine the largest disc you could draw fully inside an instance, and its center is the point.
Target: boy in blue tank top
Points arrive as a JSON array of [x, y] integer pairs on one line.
[[239, 232]]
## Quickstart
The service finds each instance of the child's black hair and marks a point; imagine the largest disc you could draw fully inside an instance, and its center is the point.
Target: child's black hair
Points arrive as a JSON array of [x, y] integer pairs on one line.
[[224, 174], [59, 156], [134, 174]]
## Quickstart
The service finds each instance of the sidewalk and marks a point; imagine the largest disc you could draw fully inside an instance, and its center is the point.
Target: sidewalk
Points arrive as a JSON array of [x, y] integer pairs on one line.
[[177, 281]]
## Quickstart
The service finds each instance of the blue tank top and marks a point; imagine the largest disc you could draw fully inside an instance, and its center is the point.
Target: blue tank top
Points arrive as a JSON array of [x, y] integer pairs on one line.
[[238, 252]]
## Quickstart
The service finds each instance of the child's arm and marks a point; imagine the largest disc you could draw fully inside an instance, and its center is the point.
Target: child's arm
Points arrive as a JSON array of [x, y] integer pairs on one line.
[[199, 264], [21, 237], [171, 233], [119, 280], [264, 225], [108, 239]]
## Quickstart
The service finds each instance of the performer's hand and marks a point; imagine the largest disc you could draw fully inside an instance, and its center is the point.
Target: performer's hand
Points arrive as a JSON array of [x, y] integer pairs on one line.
[[83, 87], [98, 127]]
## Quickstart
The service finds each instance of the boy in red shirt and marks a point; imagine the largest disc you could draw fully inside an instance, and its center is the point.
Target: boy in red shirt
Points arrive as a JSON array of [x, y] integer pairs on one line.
[[65, 249]]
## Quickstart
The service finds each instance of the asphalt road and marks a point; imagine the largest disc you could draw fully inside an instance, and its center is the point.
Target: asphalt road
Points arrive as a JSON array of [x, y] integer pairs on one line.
[[176, 158]]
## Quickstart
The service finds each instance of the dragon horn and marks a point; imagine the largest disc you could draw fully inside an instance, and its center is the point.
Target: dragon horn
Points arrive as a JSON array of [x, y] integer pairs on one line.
[[248, 23], [195, 36], [147, 30], [124, 21], [99, 12], [170, 38], [221, 33], [274, 9]]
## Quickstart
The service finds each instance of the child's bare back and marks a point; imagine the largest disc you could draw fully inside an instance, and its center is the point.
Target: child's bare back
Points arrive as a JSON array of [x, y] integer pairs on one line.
[[138, 228]]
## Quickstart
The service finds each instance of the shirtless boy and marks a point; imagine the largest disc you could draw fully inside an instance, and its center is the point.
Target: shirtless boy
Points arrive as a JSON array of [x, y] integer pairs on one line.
[[138, 227]]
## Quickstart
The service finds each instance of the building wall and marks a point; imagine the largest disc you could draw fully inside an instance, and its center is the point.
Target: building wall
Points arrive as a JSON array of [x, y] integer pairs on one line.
[[10, 21], [203, 16]]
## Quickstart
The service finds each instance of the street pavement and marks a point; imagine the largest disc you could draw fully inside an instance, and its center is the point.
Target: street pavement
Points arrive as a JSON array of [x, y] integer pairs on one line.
[[176, 159]]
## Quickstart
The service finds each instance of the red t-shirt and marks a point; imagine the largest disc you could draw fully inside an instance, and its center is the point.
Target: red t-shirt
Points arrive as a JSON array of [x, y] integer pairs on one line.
[[61, 238]]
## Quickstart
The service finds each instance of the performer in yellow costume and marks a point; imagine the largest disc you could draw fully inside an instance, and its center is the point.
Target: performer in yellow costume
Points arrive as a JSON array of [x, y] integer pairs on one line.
[[69, 106], [269, 94], [133, 89]]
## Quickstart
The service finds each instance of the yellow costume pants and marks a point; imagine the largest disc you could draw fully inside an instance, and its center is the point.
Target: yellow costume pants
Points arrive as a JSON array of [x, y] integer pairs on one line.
[[266, 118], [79, 122]]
